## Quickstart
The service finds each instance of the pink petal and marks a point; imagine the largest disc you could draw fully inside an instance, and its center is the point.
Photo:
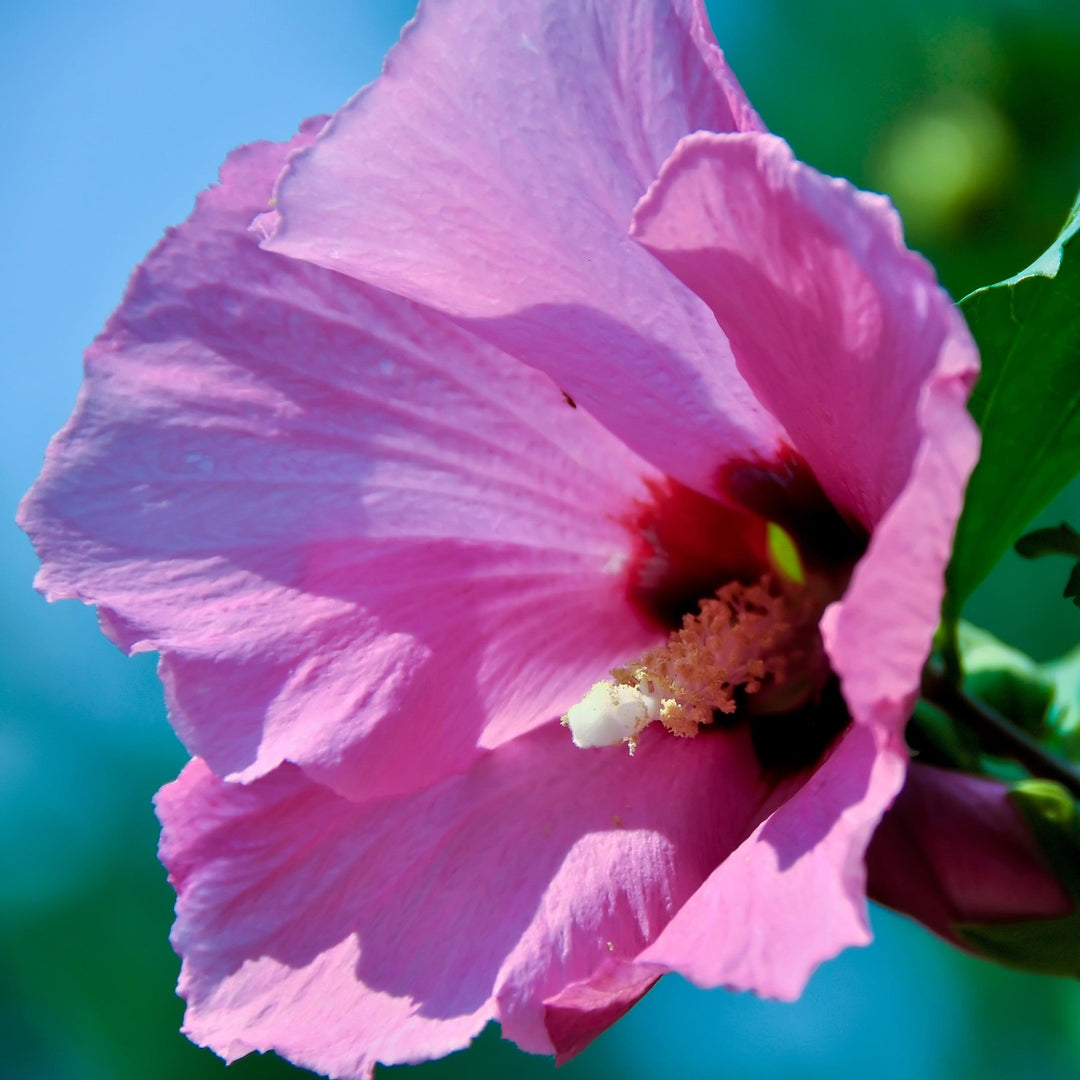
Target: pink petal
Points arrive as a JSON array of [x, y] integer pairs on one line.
[[954, 849], [846, 337], [833, 322], [491, 172], [583, 1010], [793, 894], [340, 933], [879, 634], [363, 540]]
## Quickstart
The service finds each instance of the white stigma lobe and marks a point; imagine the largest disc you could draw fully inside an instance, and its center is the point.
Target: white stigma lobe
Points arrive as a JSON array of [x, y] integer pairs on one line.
[[610, 714]]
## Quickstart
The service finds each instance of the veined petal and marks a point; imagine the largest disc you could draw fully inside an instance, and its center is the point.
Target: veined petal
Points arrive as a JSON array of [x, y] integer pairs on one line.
[[363, 540], [341, 934], [833, 322], [491, 173]]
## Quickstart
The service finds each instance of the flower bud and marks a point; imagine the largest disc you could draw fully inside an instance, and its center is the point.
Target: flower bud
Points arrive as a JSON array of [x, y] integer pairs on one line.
[[983, 864]]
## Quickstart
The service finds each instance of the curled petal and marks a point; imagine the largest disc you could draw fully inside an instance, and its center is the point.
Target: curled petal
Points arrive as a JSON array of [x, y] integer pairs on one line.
[[849, 341], [835, 325], [793, 894], [583, 1010], [341, 933]]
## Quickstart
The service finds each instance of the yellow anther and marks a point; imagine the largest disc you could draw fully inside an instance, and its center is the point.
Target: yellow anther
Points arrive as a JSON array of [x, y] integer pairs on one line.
[[736, 642], [743, 639]]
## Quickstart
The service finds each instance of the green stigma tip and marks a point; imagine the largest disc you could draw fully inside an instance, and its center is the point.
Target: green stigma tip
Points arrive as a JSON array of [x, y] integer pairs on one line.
[[784, 554]]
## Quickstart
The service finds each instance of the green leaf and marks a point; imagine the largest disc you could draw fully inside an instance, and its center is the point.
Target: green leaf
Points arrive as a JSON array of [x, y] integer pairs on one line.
[[1072, 586], [1007, 680], [1042, 699], [1026, 403], [935, 739], [1063, 717], [1060, 539]]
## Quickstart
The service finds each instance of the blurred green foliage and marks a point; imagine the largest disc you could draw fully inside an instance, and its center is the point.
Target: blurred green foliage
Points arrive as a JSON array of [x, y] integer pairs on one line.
[[964, 111]]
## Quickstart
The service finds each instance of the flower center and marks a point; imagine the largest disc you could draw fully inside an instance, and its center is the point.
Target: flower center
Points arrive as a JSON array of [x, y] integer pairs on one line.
[[758, 639]]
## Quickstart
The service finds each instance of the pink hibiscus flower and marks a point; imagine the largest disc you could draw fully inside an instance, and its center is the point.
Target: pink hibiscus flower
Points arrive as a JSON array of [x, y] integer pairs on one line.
[[544, 332]]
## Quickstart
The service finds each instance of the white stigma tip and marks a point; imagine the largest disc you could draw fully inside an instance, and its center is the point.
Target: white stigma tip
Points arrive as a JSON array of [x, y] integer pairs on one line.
[[610, 714]]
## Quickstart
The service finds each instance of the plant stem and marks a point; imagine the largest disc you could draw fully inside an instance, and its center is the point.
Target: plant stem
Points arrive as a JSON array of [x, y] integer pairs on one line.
[[950, 651], [998, 735]]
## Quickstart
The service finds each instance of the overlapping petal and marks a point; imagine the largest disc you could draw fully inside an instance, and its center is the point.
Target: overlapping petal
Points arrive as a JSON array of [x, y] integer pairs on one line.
[[491, 172], [546, 887], [794, 893], [834, 324], [352, 529], [583, 1010], [341, 933]]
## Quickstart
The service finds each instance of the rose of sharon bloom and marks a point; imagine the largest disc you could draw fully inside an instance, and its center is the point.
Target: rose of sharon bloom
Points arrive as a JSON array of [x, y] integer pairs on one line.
[[546, 352]]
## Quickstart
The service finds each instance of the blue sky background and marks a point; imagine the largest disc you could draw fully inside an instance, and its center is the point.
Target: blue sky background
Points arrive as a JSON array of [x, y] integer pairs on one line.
[[116, 114]]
